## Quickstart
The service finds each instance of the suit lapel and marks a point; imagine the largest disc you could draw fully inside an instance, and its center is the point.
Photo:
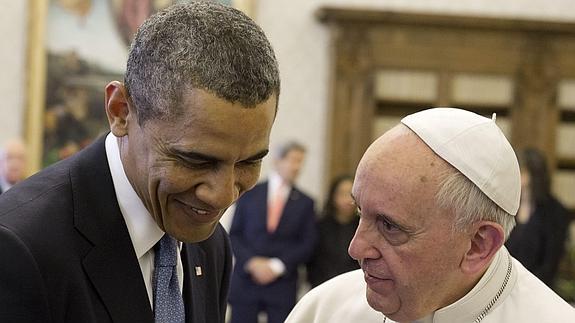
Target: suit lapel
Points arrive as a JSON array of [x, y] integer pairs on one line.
[[111, 264], [261, 206], [288, 208], [194, 292], [118, 280]]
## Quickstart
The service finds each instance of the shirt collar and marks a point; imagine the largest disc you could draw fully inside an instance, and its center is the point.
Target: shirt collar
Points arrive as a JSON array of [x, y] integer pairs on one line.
[[143, 230], [277, 186], [275, 181]]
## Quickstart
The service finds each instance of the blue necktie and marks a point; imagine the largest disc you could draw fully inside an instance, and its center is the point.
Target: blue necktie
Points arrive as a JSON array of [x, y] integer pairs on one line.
[[168, 301]]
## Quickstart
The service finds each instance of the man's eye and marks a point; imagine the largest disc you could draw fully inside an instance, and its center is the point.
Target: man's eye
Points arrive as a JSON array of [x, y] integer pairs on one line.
[[190, 163], [387, 226], [391, 232]]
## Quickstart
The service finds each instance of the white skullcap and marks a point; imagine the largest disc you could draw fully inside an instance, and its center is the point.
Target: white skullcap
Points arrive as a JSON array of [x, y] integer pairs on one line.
[[476, 147]]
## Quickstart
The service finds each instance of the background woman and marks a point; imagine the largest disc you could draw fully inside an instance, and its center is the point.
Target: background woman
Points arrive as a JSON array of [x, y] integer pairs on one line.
[[336, 229], [538, 239]]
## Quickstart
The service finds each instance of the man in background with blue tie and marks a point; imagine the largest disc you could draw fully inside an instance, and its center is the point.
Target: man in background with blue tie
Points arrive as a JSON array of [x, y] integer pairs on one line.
[[127, 230], [272, 233]]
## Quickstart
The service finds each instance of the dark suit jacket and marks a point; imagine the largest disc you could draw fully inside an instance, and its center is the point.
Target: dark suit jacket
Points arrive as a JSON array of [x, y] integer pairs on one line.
[[67, 255], [292, 242]]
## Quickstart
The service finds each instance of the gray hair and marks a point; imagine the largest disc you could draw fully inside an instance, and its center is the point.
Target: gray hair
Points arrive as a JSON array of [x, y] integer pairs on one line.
[[282, 150], [201, 45], [458, 193]]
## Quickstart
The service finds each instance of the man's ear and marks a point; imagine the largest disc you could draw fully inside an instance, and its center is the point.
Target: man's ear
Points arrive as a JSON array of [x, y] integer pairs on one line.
[[117, 108], [486, 240]]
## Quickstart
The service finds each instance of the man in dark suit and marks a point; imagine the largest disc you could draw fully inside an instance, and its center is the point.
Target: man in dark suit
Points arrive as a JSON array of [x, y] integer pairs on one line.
[[272, 233], [189, 128]]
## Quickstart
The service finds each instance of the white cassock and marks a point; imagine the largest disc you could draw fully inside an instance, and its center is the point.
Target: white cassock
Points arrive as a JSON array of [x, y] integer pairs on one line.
[[507, 293]]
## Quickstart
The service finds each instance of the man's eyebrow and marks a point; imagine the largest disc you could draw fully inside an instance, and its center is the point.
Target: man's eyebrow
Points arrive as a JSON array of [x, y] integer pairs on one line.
[[193, 155], [257, 156], [395, 223]]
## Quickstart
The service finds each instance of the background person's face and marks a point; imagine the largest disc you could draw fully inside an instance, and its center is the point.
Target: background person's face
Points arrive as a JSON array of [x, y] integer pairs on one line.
[[525, 183], [404, 242], [188, 171], [342, 199], [290, 165], [14, 163]]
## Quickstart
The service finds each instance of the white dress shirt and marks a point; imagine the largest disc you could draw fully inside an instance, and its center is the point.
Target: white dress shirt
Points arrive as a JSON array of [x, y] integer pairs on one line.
[[277, 187], [143, 230]]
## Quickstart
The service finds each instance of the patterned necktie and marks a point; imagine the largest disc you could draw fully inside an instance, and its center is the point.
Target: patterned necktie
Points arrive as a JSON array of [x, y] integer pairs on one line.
[[168, 301]]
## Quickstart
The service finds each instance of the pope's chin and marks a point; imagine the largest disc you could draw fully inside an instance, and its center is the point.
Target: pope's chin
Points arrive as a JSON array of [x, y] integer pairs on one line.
[[380, 303]]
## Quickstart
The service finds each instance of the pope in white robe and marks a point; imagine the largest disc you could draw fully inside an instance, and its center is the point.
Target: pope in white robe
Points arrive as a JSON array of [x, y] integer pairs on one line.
[[524, 298], [437, 196]]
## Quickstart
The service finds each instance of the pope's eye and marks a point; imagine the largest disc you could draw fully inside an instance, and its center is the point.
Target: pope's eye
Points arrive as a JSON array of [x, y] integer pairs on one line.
[[391, 231]]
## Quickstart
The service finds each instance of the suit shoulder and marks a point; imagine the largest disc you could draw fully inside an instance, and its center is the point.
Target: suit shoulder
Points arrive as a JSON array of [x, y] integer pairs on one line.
[[257, 191], [303, 195], [48, 187]]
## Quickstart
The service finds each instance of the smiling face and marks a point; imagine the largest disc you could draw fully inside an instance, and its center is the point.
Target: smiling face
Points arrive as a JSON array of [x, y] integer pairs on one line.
[[410, 256], [189, 170]]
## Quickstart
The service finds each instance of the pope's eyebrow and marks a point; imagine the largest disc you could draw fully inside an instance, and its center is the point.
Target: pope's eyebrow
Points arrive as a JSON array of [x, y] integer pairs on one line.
[[387, 218], [394, 223]]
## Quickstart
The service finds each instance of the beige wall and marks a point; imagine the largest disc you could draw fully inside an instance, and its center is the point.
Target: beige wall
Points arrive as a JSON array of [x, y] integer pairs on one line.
[[302, 49], [13, 25], [301, 45]]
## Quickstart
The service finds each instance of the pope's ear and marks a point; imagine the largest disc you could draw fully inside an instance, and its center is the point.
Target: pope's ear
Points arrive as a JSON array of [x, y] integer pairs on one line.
[[487, 238], [117, 108]]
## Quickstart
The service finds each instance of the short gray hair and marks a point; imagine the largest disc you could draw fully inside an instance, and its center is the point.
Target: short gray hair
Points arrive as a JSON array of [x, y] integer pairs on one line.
[[470, 204], [283, 149], [201, 45]]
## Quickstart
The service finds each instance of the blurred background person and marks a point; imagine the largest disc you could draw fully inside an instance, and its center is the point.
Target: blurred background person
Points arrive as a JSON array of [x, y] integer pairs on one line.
[[336, 228], [272, 234], [13, 160], [538, 239]]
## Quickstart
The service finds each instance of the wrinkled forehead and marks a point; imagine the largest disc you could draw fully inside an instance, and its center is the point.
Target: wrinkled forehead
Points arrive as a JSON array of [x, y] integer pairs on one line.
[[400, 160]]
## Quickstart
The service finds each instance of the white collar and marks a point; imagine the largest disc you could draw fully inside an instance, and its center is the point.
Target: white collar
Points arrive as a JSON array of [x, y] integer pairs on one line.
[[473, 304], [493, 282], [143, 230], [278, 187], [275, 181]]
